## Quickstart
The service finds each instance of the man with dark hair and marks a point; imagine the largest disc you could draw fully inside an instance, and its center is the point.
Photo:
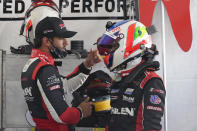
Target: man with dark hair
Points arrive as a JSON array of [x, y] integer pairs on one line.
[[44, 88]]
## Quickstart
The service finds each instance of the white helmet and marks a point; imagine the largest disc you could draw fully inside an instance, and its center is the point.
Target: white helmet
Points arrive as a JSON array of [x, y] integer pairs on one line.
[[38, 10], [123, 44]]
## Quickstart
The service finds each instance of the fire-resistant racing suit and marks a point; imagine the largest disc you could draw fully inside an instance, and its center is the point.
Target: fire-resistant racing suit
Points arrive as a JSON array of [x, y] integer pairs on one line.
[[45, 89], [137, 100]]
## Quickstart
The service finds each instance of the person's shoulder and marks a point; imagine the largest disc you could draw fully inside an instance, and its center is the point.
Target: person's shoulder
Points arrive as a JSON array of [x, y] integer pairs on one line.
[[47, 68], [31, 64], [44, 64], [46, 71], [154, 81], [152, 74], [150, 77]]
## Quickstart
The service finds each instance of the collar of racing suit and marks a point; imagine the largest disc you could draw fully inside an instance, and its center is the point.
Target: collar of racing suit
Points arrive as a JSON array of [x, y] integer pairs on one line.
[[141, 67], [42, 55], [127, 72]]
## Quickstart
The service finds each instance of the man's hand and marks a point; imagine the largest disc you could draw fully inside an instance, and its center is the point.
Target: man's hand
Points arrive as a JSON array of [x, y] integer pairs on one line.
[[86, 107], [92, 59]]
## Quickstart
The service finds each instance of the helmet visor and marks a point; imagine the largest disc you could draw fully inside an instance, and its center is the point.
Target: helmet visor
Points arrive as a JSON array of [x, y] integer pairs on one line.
[[107, 44]]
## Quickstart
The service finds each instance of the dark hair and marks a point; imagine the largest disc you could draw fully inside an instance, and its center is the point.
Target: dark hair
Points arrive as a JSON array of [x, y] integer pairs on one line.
[[37, 43]]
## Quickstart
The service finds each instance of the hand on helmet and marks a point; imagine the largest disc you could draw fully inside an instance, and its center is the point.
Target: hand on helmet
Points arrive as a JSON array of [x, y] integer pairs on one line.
[[92, 59]]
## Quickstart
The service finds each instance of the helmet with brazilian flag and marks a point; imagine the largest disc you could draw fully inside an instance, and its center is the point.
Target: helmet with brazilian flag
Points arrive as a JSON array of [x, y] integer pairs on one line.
[[123, 44]]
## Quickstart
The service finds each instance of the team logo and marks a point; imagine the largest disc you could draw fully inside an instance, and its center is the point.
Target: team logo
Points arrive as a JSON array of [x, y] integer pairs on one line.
[[126, 111], [54, 87], [156, 90], [115, 90], [27, 91], [128, 99], [129, 91], [47, 31], [53, 80], [24, 79], [114, 97], [155, 99], [61, 26], [154, 108]]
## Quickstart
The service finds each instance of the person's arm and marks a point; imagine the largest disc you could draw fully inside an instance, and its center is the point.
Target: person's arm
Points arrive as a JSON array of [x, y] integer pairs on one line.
[[80, 74], [50, 87], [153, 104], [74, 80]]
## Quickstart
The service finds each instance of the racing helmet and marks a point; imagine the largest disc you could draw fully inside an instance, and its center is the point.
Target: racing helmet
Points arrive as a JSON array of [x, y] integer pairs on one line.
[[38, 10], [123, 44]]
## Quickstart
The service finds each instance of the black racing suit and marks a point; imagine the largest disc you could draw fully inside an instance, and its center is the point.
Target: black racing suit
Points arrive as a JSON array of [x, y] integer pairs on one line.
[[137, 102], [45, 89]]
